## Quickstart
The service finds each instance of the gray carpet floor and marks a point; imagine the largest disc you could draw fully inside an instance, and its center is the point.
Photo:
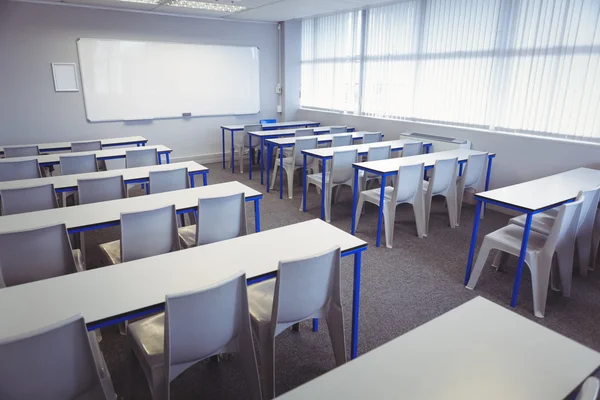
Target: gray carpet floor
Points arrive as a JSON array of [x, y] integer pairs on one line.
[[401, 288]]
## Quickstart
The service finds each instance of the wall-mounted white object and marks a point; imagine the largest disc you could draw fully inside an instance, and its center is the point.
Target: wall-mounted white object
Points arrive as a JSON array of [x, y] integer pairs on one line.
[[65, 77], [126, 80]]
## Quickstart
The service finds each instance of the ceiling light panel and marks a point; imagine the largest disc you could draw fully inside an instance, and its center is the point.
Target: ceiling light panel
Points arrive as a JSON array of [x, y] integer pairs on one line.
[[222, 7], [142, 1]]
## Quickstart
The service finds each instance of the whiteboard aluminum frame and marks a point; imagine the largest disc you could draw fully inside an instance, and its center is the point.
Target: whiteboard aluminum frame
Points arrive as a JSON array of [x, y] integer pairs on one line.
[[74, 68]]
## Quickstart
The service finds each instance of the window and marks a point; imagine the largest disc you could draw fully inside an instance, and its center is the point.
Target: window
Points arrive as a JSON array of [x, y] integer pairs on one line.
[[529, 66]]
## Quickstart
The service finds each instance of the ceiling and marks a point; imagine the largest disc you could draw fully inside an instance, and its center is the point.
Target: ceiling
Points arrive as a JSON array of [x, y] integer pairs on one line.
[[256, 10]]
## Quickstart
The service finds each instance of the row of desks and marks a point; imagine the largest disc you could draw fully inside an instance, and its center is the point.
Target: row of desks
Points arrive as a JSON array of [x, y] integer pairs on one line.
[[66, 146]]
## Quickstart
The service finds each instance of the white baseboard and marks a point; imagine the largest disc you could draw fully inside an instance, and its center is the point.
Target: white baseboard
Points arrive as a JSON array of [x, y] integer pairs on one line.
[[202, 158]]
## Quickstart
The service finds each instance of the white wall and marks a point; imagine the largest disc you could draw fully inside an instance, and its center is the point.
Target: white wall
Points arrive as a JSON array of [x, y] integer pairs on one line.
[[292, 33], [519, 158], [32, 36]]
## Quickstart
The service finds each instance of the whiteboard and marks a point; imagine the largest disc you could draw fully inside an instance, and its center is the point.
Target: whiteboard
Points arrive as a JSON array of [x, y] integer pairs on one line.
[[131, 80]]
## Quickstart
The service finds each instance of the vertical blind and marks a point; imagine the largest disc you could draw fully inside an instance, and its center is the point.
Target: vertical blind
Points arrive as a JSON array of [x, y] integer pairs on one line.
[[528, 66]]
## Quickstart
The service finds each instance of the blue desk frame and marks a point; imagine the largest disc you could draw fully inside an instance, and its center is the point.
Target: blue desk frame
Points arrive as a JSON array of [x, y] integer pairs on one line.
[[381, 195], [426, 146], [481, 201], [232, 132], [357, 252]]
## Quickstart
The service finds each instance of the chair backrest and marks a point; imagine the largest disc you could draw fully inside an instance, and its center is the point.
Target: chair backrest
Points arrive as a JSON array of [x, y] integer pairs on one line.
[[589, 390], [305, 286], [338, 129], [412, 149], [17, 170], [341, 140], [35, 254], [379, 153], [267, 121], [169, 180], [341, 166], [372, 137], [444, 175], [141, 158], [304, 144], [92, 145], [251, 128], [589, 208], [565, 225], [408, 182], [101, 189], [221, 218], [149, 233], [474, 169], [202, 323], [21, 151], [55, 362], [304, 132], [80, 164], [23, 200]]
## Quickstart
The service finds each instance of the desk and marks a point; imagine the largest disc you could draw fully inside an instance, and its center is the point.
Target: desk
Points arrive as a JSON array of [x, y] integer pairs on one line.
[[390, 167], [68, 183], [108, 213], [66, 146], [531, 198], [112, 294], [276, 125], [325, 154], [477, 351], [272, 134], [111, 154]]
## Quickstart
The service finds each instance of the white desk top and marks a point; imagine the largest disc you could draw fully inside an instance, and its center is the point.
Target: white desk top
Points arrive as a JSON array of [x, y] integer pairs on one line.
[[476, 351], [276, 125], [290, 141], [545, 192], [392, 165], [129, 174], [327, 152], [110, 211], [292, 132], [100, 154], [66, 146], [106, 292]]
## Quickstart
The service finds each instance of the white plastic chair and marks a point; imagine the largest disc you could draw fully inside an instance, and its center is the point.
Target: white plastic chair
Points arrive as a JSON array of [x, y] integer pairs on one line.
[[294, 162], [341, 140], [78, 164], [17, 170], [338, 129], [412, 149], [442, 183], [371, 137], [544, 221], [219, 218], [144, 234], [287, 151], [195, 326], [23, 200], [589, 390], [341, 173], [91, 145], [243, 144], [471, 179], [408, 188], [375, 153], [169, 180], [305, 288], [141, 158], [36, 254], [60, 361], [539, 254], [21, 151]]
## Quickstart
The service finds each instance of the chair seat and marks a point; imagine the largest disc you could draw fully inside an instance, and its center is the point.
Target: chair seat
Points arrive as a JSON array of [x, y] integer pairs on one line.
[[512, 236], [112, 251], [541, 222], [147, 339], [373, 195], [188, 236], [315, 179], [260, 300]]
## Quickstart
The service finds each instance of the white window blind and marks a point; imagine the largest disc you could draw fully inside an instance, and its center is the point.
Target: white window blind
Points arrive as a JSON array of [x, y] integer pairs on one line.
[[529, 66]]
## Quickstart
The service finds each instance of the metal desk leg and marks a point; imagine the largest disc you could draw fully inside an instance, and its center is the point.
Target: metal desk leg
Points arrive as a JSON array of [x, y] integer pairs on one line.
[[460, 169], [249, 156], [527, 229], [168, 157], [304, 184], [315, 324], [427, 149], [323, 189], [223, 145], [354, 201], [487, 179], [257, 214], [281, 174], [262, 160], [269, 163], [381, 204], [233, 154], [205, 179], [473, 242], [355, 305], [192, 180]]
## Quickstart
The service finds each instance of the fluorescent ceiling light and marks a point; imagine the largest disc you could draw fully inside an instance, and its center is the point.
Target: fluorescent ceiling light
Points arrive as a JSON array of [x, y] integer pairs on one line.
[[226, 6]]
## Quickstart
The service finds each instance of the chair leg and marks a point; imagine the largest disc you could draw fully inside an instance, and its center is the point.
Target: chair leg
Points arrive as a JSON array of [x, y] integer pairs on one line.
[[335, 323], [290, 180], [427, 212], [459, 202], [419, 211], [484, 251], [248, 364], [564, 256], [274, 173], [359, 208], [389, 220], [584, 250], [328, 194], [451, 203], [241, 158], [500, 260], [266, 353], [595, 245], [540, 277]]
